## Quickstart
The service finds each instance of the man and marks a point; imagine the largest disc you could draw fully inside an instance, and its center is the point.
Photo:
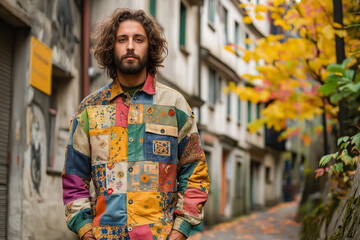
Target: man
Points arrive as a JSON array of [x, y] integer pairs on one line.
[[137, 140]]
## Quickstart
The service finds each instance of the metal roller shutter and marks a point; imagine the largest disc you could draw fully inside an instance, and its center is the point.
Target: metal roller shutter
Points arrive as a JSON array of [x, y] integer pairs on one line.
[[6, 55]]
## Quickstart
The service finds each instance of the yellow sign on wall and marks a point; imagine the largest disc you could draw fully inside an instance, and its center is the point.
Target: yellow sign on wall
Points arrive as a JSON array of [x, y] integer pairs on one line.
[[40, 66]]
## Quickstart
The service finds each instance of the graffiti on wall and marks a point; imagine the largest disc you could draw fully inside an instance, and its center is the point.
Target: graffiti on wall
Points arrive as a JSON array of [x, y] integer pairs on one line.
[[38, 147]]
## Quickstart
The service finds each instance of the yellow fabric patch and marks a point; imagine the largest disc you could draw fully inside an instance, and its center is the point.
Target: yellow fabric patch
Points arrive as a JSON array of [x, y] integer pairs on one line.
[[161, 129], [144, 208], [101, 116], [199, 178], [118, 147], [136, 114]]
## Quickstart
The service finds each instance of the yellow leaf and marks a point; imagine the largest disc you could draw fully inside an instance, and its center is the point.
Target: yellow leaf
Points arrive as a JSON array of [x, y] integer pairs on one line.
[[228, 48], [259, 17], [338, 74], [278, 2], [260, 8], [247, 20], [337, 25], [248, 41], [243, 5], [341, 33], [255, 125]]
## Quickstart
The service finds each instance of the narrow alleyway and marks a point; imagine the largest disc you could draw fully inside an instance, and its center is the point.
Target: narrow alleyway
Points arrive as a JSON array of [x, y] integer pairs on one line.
[[276, 223]]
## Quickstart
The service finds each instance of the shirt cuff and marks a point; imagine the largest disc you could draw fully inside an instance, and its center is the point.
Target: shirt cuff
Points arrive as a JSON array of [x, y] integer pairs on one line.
[[182, 226], [84, 229]]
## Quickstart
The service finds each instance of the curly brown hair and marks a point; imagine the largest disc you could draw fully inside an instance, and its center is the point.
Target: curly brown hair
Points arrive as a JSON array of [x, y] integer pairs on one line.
[[104, 36]]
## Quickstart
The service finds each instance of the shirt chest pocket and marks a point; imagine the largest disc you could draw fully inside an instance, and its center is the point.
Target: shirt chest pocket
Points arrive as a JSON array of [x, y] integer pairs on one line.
[[160, 143]]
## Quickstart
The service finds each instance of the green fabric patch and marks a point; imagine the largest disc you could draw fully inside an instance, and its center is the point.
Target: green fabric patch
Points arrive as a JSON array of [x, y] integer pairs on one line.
[[184, 174], [185, 228], [135, 142], [181, 118], [83, 121], [162, 115], [79, 220]]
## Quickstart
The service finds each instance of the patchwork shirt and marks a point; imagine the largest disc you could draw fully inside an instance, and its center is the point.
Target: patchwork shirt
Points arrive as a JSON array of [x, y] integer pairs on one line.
[[144, 157]]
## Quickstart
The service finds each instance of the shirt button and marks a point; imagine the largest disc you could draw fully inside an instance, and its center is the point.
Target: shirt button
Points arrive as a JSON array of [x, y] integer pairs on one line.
[[131, 139], [135, 97], [130, 201], [131, 119], [162, 130], [130, 169], [129, 229]]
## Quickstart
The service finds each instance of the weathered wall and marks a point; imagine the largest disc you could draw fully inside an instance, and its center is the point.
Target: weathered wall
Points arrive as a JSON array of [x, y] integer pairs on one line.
[[35, 207]]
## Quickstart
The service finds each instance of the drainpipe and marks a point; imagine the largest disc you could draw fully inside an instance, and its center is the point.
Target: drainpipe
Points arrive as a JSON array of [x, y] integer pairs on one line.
[[199, 54], [85, 48]]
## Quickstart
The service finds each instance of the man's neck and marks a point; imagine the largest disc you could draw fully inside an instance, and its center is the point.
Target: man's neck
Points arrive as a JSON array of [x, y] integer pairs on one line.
[[131, 80]]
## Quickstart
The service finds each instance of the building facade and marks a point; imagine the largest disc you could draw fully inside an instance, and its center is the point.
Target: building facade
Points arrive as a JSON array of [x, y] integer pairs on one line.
[[40, 88]]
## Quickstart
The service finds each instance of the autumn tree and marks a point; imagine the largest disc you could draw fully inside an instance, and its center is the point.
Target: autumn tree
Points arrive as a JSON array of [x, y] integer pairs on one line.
[[292, 66]]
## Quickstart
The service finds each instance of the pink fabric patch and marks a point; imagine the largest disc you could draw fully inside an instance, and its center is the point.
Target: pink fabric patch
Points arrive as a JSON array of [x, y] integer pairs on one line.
[[121, 113], [149, 85], [141, 233], [194, 200]]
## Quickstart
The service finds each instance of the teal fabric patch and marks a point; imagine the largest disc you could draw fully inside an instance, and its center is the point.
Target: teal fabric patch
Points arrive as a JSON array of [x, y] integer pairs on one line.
[[181, 118], [185, 172], [162, 115], [185, 228], [79, 220], [135, 142]]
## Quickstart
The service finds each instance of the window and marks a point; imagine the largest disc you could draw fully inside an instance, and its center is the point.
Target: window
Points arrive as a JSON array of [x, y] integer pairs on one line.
[[211, 13], [226, 26], [212, 86], [268, 175], [153, 8], [247, 46], [182, 24], [239, 110], [237, 40], [249, 111], [258, 109], [238, 181], [228, 110]]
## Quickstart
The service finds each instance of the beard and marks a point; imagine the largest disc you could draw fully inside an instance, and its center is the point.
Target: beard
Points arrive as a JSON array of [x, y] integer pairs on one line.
[[130, 68]]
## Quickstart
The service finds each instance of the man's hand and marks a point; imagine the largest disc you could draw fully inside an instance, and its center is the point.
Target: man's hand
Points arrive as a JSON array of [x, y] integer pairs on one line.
[[88, 236], [176, 235]]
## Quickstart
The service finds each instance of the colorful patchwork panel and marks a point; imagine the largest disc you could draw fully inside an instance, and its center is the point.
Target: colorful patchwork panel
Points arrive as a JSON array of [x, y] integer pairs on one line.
[[118, 151], [194, 200], [163, 115], [160, 148], [135, 142], [99, 149], [121, 115], [149, 207], [143, 176], [136, 114], [101, 117], [116, 178], [200, 178], [83, 121], [161, 231], [141, 232], [167, 177], [115, 210], [99, 176], [118, 233], [192, 151]]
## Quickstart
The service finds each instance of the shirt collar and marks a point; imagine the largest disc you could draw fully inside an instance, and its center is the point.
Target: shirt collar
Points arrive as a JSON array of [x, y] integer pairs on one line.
[[149, 87]]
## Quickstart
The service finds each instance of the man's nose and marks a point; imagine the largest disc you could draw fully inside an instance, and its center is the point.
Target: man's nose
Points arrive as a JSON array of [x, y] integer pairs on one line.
[[130, 46]]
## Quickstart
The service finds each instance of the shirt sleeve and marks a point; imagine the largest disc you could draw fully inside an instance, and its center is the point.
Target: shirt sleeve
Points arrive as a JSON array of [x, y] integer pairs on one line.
[[76, 177], [193, 179]]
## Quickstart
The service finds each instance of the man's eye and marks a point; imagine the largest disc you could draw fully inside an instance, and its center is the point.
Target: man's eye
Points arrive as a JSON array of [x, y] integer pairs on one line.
[[121, 40], [138, 39]]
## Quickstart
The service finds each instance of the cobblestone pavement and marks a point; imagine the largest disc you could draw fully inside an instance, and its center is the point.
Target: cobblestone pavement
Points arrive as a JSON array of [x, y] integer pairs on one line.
[[276, 223]]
